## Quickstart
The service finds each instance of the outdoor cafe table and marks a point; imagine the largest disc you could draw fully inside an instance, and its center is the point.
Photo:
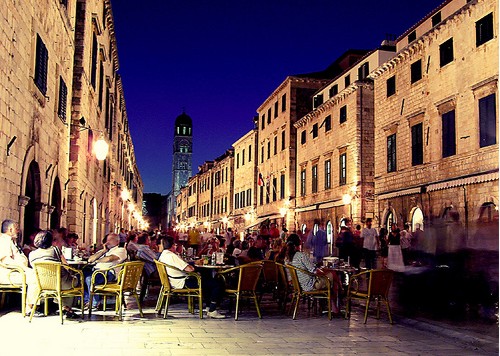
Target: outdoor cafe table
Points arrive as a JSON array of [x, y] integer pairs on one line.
[[344, 273]]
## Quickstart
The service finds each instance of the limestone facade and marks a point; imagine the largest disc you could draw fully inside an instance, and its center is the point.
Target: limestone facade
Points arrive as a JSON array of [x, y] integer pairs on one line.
[[335, 145], [60, 93], [245, 181], [442, 121]]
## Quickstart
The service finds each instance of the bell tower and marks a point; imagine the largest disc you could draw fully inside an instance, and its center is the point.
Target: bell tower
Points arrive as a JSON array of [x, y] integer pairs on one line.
[[183, 150]]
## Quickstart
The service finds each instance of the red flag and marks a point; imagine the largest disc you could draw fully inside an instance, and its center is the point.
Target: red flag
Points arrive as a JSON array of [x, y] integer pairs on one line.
[[260, 180]]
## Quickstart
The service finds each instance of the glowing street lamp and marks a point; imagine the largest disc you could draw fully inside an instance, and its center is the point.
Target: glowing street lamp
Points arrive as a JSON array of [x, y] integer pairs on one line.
[[101, 149]]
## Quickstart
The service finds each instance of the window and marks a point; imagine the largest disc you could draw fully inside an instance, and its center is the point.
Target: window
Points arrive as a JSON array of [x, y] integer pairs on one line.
[[303, 137], [262, 154], [303, 182], [63, 98], [436, 19], [282, 186], [269, 115], [448, 130], [249, 197], [328, 123], [315, 178], [263, 122], [317, 101], [283, 103], [343, 114], [328, 174], [412, 36], [315, 130], [446, 52], [261, 195], [93, 70], [334, 90], [250, 153], [268, 149], [417, 146], [343, 169], [275, 184], [242, 199], [275, 145], [41, 65], [391, 153], [363, 71], [101, 85], [487, 121], [243, 157], [276, 109], [416, 71], [484, 30], [237, 200], [237, 160], [347, 80], [391, 86], [282, 140], [267, 192]]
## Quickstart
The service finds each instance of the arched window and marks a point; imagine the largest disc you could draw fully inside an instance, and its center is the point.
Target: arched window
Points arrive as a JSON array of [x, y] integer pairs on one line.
[[303, 228], [389, 220], [315, 228], [329, 232], [488, 212]]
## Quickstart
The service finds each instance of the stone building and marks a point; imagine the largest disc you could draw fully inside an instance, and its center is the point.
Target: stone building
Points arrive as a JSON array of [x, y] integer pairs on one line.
[[222, 191], [59, 95], [436, 125], [245, 182], [335, 161], [276, 160]]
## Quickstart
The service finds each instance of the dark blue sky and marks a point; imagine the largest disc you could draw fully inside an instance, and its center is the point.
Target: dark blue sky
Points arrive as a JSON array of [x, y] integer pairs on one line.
[[220, 59]]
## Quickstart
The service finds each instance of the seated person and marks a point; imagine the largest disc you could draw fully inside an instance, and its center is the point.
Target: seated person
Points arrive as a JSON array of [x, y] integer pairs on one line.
[[46, 252], [110, 255], [146, 254], [298, 259], [12, 255], [178, 279], [131, 246]]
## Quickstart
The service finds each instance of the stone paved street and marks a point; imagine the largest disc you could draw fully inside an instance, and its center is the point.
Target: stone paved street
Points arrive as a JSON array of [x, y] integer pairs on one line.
[[184, 334]]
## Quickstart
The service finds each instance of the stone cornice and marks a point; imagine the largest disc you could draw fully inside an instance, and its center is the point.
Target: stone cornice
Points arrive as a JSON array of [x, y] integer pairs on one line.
[[111, 25], [418, 45], [289, 80], [333, 101]]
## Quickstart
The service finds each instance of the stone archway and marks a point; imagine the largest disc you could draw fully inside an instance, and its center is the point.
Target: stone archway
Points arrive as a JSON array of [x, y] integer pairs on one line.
[[31, 218], [55, 202]]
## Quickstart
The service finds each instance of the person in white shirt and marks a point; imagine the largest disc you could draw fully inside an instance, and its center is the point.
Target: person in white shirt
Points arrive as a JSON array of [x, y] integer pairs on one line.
[[12, 255], [179, 279], [370, 244], [110, 255]]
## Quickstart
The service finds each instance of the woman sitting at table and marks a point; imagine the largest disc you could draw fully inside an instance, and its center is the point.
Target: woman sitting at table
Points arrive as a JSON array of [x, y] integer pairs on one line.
[[298, 259], [46, 252]]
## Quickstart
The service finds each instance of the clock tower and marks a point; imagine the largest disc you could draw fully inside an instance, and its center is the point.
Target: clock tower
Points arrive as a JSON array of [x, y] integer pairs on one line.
[[183, 149]]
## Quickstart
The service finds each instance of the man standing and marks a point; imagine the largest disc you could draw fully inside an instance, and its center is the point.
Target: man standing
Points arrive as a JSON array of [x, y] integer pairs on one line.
[[110, 255], [12, 255], [370, 244], [319, 242], [179, 279]]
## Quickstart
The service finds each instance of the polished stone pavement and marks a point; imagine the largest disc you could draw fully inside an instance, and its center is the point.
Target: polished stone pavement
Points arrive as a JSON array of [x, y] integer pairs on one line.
[[276, 334]]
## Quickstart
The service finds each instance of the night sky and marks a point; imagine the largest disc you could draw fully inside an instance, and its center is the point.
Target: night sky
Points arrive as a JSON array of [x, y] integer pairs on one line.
[[221, 59]]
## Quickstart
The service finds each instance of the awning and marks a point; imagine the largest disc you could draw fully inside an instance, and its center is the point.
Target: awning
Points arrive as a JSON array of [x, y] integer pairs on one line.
[[463, 181], [261, 220], [399, 193], [306, 208]]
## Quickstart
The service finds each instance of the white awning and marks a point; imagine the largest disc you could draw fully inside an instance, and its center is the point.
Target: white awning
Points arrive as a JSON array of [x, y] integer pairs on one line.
[[399, 193], [306, 208], [463, 181], [261, 220]]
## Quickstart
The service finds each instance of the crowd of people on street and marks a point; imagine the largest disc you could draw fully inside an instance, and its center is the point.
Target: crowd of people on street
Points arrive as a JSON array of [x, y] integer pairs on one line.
[[378, 249]]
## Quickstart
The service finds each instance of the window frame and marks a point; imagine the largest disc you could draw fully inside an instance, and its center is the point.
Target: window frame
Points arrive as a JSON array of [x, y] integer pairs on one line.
[[391, 147], [343, 168]]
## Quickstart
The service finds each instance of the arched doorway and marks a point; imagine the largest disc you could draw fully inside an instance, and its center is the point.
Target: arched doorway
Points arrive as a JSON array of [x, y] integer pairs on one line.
[[389, 220], [329, 235], [303, 229], [417, 219], [55, 201], [32, 191]]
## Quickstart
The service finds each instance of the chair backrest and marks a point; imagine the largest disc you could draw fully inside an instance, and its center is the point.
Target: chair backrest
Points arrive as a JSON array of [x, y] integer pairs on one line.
[[130, 275], [162, 272], [48, 275], [249, 276], [270, 271], [292, 272], [380, 282]]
